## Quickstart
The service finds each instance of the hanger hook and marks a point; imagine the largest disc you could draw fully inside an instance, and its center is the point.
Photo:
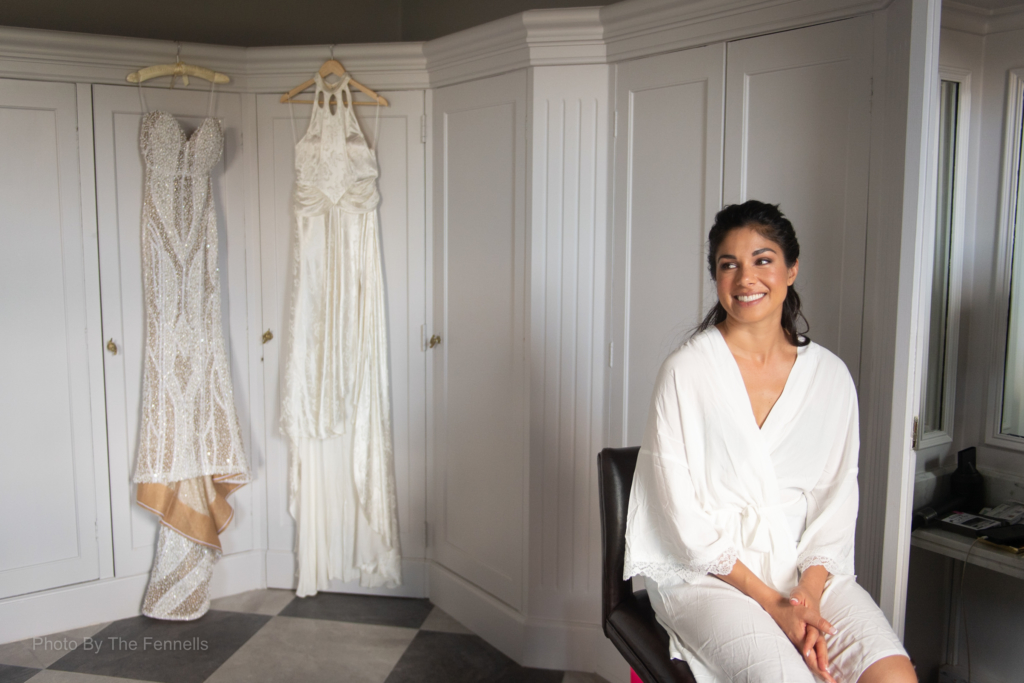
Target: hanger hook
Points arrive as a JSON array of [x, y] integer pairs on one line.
[[332, 51], [177, 54]]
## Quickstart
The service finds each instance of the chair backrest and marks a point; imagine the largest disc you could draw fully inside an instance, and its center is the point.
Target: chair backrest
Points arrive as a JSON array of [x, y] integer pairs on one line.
[[615, 478]]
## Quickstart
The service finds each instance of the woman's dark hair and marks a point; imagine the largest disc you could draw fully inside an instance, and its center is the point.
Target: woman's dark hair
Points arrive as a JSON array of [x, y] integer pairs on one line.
[[771, 224]]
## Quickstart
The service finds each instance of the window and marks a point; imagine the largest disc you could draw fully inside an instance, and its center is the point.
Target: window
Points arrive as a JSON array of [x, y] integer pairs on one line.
[[1011, 418], [936, 421]]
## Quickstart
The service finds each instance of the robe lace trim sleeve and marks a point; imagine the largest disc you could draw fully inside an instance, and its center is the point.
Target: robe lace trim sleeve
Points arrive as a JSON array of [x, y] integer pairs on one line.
[[831, 565], [671, 534], [665, 573]]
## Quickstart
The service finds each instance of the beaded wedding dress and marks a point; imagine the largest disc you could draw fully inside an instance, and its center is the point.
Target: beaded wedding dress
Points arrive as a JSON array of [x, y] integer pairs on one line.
[[336, 407], [190, 443]]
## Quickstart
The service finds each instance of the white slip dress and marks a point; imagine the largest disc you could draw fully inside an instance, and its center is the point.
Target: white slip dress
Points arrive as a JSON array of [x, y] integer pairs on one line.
[[190, 454], [336, 406]]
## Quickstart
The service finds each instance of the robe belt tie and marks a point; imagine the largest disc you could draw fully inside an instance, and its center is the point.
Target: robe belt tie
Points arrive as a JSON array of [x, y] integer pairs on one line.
[[755, 530]]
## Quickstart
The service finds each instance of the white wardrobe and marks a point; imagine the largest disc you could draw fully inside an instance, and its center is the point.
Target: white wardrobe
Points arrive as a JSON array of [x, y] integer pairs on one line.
[[603, 275], [547, 181], [53, 491]]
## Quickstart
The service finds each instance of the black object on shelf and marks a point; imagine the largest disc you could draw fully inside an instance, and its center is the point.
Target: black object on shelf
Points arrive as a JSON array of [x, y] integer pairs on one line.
[[1008, 535], [966, 486], [966, 482]]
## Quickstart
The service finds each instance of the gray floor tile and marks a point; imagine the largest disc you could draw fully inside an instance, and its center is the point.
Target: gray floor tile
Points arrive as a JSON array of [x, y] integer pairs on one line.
[[16, 674], [41, 652], [362, 609], [440, 620], [165, 651], [51, 676], [313, 650], [269, 602], [434, 657]]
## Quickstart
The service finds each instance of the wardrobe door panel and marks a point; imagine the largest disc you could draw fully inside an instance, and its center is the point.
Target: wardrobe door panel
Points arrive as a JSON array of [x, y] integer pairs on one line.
[[798, 108], [479, 370], [403, 242], [119, 185], [668, 169], [53, 513]]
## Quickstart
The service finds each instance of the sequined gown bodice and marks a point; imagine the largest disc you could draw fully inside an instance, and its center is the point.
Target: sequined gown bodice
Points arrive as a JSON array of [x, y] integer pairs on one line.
[[190, 453]]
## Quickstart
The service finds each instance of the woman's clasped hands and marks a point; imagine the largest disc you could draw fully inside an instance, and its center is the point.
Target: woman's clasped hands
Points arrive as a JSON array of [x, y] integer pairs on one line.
[[800, 619]]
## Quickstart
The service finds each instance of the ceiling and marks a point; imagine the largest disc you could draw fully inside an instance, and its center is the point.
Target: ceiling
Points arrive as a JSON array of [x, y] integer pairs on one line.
[[252, 23]]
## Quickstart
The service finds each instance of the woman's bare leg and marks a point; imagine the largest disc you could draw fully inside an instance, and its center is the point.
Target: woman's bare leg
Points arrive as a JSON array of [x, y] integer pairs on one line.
[[894, 669]]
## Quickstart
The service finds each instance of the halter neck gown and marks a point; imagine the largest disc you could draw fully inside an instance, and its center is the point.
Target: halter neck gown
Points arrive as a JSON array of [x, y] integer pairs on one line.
[[336, 406], [190, 443]]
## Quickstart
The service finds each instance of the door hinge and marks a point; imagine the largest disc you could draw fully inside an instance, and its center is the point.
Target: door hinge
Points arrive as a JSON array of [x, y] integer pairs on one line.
[[615, 124], [611, 355], [914, 434], [423, 128]]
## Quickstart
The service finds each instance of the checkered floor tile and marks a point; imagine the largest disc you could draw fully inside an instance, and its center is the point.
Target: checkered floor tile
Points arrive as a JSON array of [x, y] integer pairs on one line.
[[270, 635]]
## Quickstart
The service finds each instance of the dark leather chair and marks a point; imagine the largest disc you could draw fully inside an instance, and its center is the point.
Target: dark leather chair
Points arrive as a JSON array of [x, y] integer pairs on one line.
[[627, 617]]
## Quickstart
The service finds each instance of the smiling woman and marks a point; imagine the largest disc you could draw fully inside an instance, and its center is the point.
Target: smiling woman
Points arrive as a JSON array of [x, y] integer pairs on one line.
[[743, 509], [762, 258]]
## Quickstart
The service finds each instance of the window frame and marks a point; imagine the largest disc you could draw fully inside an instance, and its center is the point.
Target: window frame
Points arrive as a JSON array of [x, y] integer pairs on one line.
[[1010, 183], [936, 443]]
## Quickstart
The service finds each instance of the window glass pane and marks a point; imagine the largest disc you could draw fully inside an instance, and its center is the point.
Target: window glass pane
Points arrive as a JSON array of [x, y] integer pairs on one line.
[[1013, 379], [949, 100]]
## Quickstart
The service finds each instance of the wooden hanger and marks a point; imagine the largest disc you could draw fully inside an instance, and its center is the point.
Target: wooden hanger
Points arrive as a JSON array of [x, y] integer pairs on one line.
[[333, 66], [179, 68]]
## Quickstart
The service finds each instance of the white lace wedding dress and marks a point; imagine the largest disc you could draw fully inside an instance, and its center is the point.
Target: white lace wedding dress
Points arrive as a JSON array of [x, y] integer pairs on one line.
[[190, 444], [336, 407]]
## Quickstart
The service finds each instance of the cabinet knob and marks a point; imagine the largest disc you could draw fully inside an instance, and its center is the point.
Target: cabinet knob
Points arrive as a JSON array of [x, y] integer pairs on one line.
[[112, 347], [267, 336], [434, 341]]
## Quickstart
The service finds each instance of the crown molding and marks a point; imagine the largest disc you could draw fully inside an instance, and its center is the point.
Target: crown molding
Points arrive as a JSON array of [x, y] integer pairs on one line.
[[637, 28], [962, 16], [381, 66], [585, 35], [532, 38], [83, 58], [623, 30]]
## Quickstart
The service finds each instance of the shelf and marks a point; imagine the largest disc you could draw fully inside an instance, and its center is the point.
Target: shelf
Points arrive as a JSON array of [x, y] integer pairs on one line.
[[955, 546]]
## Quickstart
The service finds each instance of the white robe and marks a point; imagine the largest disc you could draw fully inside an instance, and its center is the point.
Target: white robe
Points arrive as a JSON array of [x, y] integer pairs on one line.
[[711, 487]]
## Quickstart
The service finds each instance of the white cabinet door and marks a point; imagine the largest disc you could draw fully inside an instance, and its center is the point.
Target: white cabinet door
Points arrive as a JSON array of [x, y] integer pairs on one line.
[[797, 132], [479, 370], [403, 244], [119, 180], [51, 405], [668, 170]]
